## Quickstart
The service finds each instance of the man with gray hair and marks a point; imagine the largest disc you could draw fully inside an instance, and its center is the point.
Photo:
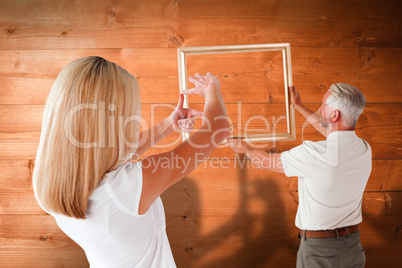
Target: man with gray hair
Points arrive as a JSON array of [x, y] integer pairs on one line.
[[332, 175]]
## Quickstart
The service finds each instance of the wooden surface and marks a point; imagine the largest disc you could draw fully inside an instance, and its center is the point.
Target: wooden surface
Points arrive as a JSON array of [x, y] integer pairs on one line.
[[226, 213]]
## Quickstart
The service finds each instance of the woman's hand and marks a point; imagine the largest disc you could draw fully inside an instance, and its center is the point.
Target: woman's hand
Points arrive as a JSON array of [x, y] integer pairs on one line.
[[202, 84], [182, 119]]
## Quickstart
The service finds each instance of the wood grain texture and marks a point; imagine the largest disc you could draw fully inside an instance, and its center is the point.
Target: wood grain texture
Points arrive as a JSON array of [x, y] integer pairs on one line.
[[260, 241], [36, 241], [213, 184], [26, 76], [379, 125], [221, 215], [252, 241], [164, 23]]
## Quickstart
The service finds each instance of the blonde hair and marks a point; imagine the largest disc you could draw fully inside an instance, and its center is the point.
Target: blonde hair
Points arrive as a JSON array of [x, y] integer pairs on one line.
[[350, 102], [84, 133]]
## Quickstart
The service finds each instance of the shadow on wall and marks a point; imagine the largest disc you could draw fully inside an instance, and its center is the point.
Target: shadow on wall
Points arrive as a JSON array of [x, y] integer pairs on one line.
[[248, 238]]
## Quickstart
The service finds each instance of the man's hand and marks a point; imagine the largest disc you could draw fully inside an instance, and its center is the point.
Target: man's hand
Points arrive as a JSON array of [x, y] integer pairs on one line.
[[295, 96], [260, 158], [239, 146], [182, 119]]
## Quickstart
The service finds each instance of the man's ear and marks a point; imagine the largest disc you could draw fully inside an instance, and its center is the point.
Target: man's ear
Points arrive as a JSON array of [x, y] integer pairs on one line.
[[335, 116]]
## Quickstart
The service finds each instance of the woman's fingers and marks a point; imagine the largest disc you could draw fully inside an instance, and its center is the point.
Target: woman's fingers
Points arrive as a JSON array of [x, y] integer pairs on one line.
[[196, 81], [190, 91], [181, 101], [200, 77], [192, 113], [186, 125]]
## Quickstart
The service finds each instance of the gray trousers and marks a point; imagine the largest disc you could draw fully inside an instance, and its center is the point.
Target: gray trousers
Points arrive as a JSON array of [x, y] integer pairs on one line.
[[346, 251]]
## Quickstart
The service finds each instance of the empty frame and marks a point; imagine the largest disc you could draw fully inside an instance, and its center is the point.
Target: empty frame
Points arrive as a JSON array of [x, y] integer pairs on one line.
[[284, 48]]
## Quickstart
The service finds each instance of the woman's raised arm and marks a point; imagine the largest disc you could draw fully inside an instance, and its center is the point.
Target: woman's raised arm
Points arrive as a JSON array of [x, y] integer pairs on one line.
[[188, 155]]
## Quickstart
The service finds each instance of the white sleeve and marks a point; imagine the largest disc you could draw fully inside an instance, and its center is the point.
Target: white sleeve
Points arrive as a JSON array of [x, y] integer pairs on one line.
[[297, 162], [125, 187]]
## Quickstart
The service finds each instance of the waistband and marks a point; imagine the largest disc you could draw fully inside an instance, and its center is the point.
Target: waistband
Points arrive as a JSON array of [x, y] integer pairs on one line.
[[329, 233]]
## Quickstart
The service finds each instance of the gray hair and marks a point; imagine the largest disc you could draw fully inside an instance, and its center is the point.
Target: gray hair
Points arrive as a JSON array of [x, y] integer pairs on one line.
[[349, 100]]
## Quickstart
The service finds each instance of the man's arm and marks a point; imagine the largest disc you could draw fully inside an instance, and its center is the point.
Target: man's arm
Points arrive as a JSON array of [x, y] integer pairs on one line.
[[260, 158], [312, 117]]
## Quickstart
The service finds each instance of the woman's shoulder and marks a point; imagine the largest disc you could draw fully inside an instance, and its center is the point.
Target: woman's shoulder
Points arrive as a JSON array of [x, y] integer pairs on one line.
[[124, 186]]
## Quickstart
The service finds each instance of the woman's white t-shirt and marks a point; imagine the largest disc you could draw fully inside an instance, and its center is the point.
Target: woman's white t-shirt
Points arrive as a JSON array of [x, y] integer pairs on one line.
[[114, 234]]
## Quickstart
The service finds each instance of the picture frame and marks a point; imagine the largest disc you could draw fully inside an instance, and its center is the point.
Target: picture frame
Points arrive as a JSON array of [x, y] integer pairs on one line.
[[287, 71]]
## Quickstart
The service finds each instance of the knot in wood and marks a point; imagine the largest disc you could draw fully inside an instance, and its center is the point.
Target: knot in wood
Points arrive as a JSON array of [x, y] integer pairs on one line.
[[31, 165], [10, 31], [111, 17], [175, 41], [368, 60], [271, 98]]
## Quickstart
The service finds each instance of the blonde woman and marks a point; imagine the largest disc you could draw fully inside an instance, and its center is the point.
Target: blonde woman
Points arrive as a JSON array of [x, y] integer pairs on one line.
[[83, 175]]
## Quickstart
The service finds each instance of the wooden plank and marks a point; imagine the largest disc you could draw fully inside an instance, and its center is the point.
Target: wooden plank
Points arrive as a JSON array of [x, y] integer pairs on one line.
[[370, 70], [378, 120], [107, 24], [247, 117], [209, 190], [248, 191], [255, 194], [16, 197], [34, 72], [19, 140], [26, 76], [201, 189], [385, 176], [17, 174], [28, 239]]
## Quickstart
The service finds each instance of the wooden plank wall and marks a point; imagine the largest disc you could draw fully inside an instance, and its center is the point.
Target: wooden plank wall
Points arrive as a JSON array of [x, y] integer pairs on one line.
[[227, 216]]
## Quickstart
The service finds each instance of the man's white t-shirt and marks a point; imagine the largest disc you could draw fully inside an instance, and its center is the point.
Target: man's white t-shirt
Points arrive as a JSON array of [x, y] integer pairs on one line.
[[114, 234], [332, 176]]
